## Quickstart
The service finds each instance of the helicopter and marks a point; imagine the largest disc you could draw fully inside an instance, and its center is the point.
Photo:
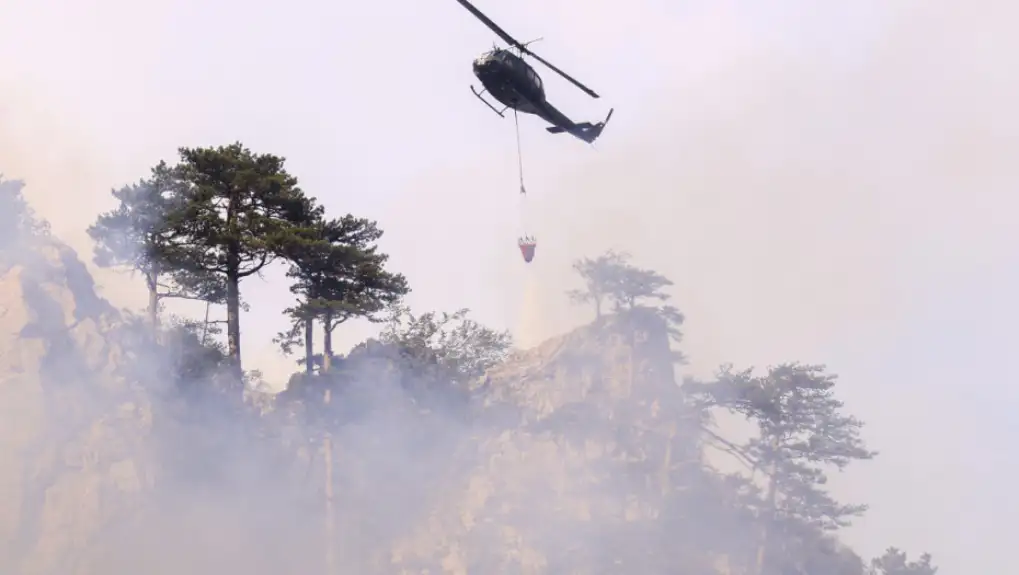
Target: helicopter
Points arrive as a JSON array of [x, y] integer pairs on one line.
[[513, 83]]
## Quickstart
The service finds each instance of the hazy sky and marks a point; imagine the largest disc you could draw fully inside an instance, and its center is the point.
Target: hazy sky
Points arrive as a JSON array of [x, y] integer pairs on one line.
[[824, 183]]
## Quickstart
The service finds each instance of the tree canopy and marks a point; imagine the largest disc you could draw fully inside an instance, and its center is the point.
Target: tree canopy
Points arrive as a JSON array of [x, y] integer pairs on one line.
[[631, 290], [463, 348], [801, 433], [138, 235], [198, 228], [239, 211], [338, 274], [894, 562]]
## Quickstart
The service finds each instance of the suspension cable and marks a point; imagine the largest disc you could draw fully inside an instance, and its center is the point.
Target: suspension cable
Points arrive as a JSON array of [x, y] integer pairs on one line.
[[520, 155]]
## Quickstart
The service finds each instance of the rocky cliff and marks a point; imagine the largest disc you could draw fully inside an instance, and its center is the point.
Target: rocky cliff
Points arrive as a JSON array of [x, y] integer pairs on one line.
[[72, 427], [598, 433], [562, 459]]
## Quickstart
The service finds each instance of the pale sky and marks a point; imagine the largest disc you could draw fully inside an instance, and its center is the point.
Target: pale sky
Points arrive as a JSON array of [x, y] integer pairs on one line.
[[824, 182]]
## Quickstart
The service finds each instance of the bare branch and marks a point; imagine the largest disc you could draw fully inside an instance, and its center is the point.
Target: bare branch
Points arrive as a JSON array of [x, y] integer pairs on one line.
[[732, 449]]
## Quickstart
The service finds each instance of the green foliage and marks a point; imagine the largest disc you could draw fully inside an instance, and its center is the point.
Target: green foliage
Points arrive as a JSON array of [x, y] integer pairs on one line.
[[894, 562], [222, 214], [301, 316], [339, 274], [138, 235], [801, 432], [183, 353], [196, 354], [198, 228], [460, 346], [611, 278], [240, 211], [598, 275]]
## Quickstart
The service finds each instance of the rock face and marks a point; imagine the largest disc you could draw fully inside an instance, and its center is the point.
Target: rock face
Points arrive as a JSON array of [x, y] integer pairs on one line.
[[69, 424], [590, 459], [567, 452]]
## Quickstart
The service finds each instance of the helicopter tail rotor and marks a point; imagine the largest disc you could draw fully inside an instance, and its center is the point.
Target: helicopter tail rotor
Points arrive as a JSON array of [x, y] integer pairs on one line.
[[584, 130]]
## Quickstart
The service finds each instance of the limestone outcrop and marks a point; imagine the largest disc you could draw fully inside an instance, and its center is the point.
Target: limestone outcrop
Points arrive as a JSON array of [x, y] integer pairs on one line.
[[561, 456], [72, 427], [600, 432]]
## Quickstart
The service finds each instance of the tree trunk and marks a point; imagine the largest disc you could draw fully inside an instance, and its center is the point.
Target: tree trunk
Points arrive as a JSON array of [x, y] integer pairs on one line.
[[309, 345], [327, 448], [769, 506], [666, 476], [233, 290], [327, 343], [152, 282], [233, 319]]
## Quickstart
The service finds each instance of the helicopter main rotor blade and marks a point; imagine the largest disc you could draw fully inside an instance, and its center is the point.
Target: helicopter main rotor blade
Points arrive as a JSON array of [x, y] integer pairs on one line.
[[571, 79], [523, 47], [492, 25]]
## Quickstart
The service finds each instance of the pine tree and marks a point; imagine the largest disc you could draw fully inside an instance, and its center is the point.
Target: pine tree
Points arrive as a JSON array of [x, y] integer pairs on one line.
[[300, 333], [598, 275], [241, 212], [895, 562], [611, 278], [801, 432], [359, 285], [138, 235], [340, 274]]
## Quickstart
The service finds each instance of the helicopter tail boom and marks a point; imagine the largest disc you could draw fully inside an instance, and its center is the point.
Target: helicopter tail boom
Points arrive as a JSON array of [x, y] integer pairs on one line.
[[584, 130]]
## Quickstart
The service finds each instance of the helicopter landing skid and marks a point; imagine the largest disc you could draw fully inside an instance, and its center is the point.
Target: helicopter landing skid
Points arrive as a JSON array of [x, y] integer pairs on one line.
[[479, 95]]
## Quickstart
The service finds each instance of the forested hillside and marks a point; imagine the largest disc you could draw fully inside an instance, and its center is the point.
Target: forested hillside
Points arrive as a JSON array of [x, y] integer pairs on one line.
[[434, 447]]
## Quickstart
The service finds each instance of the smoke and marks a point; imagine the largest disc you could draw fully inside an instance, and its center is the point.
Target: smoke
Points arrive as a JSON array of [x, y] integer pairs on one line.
[[810, 178], [825, 184], [131, 455], [528, 331]]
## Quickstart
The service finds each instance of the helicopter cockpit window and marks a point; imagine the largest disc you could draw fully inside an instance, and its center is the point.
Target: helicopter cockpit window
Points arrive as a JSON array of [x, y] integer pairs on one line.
[[533, 77]]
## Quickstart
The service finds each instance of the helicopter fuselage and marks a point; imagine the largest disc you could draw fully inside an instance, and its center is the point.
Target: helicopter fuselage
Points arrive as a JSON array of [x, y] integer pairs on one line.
[[514, 84], [511, 81]]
